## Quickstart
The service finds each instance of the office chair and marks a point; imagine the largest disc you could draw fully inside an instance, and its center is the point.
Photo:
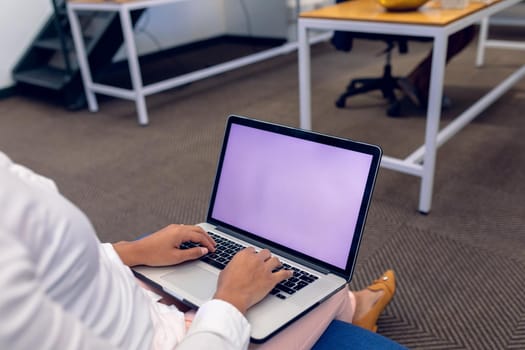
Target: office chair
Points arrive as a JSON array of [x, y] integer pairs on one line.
[[386, 83], [342, 41]]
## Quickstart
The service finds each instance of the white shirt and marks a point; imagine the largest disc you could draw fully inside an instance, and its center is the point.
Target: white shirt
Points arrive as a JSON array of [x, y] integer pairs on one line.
[[60, 288]]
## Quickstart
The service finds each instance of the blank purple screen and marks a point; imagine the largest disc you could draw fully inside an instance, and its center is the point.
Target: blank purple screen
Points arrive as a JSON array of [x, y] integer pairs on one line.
[[301, 194]]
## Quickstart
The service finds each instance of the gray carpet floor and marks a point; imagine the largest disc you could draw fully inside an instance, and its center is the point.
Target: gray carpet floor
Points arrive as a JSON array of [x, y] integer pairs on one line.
[[460, 268]]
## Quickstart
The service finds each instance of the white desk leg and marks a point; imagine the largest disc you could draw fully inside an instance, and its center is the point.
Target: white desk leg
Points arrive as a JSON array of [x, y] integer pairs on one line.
[[432, 126], [482, 41], [83, 63], [134, 67], [305, 93]]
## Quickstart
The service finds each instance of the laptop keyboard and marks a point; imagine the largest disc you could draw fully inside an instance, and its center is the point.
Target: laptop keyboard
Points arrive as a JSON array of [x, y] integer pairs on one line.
[[226, 249]]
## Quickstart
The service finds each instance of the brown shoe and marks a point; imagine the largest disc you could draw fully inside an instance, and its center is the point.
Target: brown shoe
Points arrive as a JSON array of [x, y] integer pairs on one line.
[[386, 283]]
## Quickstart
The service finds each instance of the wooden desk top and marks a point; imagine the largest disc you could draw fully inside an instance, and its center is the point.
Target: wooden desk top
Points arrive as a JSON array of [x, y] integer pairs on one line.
[[372, 11]]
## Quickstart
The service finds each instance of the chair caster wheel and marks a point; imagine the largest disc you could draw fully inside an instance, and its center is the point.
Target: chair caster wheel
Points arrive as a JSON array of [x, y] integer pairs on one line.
[[340, 103], [394, 110]]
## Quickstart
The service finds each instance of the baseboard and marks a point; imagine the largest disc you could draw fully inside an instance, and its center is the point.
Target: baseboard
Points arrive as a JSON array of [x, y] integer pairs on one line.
[[193, 56], [243, 40]]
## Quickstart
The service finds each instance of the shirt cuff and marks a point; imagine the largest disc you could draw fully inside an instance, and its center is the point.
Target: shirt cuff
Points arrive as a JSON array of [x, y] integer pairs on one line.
[[223, 319]]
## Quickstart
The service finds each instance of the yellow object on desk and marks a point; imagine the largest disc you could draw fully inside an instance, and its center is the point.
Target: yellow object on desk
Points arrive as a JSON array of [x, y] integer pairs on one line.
[[402, 5]]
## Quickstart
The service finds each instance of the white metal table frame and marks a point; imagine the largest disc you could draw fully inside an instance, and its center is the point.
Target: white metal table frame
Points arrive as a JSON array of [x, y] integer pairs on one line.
[[422, 161], [139, 91], [484, 42]]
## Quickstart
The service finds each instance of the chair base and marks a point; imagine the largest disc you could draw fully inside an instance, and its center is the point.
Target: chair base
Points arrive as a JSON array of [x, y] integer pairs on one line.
[[387, 84]]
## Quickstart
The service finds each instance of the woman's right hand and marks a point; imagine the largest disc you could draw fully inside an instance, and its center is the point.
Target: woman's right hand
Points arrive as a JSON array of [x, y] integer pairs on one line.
[[248, 278]]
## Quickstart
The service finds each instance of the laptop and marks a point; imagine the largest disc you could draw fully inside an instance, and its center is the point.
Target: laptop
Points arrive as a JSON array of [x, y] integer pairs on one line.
[[302, 195]]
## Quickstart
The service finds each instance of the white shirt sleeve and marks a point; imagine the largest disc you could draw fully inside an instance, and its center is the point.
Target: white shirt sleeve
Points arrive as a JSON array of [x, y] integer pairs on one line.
[[219, 323], [30, 319], [62, 289]]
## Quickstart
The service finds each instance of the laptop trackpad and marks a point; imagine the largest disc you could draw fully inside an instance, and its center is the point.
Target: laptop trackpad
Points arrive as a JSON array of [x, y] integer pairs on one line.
[[192, 280]]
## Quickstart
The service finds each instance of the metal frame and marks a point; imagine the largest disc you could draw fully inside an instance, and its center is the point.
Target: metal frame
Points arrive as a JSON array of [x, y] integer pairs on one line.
[[139, 92], [422, 161], [484, 42]]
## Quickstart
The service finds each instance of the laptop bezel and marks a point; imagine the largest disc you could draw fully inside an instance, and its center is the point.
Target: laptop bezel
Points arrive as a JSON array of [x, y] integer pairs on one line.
[[373, 150]]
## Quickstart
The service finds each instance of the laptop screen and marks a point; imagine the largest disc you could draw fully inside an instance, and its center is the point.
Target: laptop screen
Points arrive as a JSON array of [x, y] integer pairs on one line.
[[299, 193]]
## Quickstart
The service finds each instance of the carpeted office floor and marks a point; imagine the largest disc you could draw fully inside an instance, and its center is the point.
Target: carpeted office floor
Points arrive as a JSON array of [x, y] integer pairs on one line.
[[460, 269]]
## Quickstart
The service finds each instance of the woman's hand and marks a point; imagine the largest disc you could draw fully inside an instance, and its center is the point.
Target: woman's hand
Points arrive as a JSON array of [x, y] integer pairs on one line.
[[162, 247], [249, 277]]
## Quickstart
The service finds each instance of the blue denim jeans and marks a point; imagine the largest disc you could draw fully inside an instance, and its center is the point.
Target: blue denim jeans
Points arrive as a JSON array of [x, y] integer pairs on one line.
[[342, 335]]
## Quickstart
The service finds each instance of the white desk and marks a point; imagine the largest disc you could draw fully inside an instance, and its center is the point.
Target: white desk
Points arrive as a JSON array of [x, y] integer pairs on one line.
[[368, 16], [139, 91]]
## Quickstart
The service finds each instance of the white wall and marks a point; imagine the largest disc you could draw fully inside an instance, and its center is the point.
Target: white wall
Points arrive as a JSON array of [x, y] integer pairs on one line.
[[268, 18], [178, 23], [259, 18], [19, 21]]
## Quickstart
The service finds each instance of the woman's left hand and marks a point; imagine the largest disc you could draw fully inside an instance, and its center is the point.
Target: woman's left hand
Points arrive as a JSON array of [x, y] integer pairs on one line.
[[163, 247]]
